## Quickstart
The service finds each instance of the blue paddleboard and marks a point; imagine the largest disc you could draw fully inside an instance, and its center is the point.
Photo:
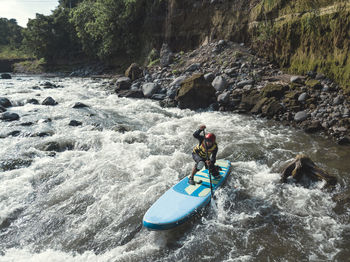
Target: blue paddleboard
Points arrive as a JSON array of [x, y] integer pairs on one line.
[[183, 200]]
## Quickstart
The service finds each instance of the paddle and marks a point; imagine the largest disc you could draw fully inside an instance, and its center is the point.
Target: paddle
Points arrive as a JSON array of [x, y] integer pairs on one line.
[[206, 152]]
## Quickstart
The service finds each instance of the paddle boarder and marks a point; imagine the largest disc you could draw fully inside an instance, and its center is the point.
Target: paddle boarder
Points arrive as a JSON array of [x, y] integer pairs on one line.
[[204, 154]]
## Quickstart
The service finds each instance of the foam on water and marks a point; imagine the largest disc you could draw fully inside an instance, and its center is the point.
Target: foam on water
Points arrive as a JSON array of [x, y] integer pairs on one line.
[[87, 203]]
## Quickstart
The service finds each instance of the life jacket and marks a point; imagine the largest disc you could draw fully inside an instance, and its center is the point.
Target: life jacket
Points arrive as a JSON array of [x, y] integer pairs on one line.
[[200, 150]]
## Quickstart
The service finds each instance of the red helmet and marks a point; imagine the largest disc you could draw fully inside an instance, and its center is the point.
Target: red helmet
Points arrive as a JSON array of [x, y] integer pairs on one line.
[[210, 137]]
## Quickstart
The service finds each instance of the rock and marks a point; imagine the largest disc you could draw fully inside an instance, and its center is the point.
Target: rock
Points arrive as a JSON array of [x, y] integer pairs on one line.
[[9, 117], [219, 83], [166, 56], [123, 83], [49, 101], [244, 83], [195, 92], [193, 67], [121, 129], [4, 102], [273, 90], [303, 166], [272, 108], [338, 100], [27, 124], [300, 116], [131, 93], [224, 98], [297, 80], [33, 101], [258, 106], [56, 146], [133, 72], [320, 76], [311, 74], [75, 123], [168, 103], [6, 76], [79, 105], [14, 133], [209, 77], [158, 97], [48, 85], [314, 84], [177, 81], [345, 140], [149, 89], [2, 109], [313, 127], [303, 97]]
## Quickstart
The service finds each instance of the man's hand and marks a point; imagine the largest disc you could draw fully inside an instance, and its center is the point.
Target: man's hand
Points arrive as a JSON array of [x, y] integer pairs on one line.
[[202, 127]]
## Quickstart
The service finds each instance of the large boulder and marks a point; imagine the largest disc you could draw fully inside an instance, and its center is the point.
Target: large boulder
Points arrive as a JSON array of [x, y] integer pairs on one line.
[[303, 167], [273, 90], [123, 83], [133, 72], [166, 56], [195, 92], [49, 101], [7, 116]]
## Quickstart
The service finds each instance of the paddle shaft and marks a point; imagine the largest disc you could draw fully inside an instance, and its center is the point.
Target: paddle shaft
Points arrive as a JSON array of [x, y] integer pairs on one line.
[[207, 156]]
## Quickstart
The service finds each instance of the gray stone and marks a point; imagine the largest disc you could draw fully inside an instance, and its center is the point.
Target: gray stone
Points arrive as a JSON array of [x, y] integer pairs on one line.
[[300, 116], [33, 101], [302, 97], [297, 79], [131, 93], [135, 86], [149, 89], [244, 83], [75, 123], [219, 83], [193, 67], [158, 96], [4, 102], [2, 109], [49, 101], [338, 100], [9, 116], [177, 81], [79, 105], [224, 98]]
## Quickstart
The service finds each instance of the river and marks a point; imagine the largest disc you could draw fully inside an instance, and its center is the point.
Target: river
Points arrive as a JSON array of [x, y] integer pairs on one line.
[[86, 201]]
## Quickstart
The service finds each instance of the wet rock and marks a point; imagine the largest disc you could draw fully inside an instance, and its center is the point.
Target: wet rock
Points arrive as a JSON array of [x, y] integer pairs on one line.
[[123, 83], [14, 133], [166, 56], [9, 117], [33, 101], [177, 81], [149, 89], [56, 146], [75, 123], [79, 105], [131, 93], [4, 102], [48, 85], [12, 164], [219, 83], [168, 102], [301, 116], [49, 101], [122, 129], [2, 109], [195, 92], [345, 140], [303, 167], [26, 124], [133, 72], [312, 127], [6, 76], [42, 134]]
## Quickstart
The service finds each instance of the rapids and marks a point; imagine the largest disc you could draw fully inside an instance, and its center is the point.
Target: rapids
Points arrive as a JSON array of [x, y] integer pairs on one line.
[[86, 201]]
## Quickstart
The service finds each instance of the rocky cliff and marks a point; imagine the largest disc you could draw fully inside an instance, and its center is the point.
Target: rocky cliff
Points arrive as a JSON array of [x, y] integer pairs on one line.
[[298, 35]]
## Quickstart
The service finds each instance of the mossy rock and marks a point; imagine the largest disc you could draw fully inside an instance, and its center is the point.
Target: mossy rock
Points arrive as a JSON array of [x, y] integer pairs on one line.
[[249, 100], [273, 90], [195, 92], [257, 108], [272, 107], [313, 84]]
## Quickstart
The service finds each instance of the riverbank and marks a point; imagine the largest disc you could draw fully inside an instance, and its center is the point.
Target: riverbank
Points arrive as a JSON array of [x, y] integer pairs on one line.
[[245, 83]]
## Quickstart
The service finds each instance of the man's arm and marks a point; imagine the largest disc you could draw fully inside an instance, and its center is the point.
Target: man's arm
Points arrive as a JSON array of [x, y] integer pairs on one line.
[[213, 155]]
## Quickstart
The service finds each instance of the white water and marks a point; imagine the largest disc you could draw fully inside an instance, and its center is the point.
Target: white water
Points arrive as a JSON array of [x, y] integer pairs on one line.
[[87, 204]]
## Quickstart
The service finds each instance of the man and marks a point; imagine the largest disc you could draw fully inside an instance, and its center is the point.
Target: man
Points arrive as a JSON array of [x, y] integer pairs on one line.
[[204, 154]]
